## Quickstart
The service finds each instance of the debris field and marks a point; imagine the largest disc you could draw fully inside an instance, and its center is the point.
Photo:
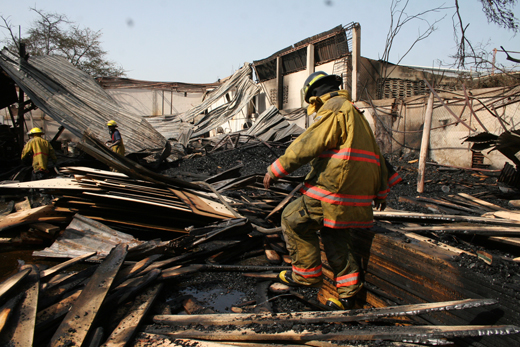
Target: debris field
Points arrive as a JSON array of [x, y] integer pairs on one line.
[[440, 267]]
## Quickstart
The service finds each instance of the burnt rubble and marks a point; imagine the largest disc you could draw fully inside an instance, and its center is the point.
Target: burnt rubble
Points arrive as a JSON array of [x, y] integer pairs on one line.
[[225, 265]]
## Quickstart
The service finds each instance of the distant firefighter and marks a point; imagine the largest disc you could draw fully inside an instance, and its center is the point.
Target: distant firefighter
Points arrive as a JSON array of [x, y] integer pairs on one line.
[[41, 151], [116, 141]]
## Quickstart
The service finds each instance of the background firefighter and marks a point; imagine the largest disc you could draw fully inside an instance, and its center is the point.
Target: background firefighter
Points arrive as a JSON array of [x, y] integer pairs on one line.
[[348, 175], [116, 141], [41, 151]]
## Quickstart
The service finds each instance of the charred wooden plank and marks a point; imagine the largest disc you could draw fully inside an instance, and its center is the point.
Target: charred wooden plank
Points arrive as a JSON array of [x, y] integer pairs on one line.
[[7, 310], [416, 334], [12, 281], [63, 280], [406, 216], [482, 202], [128, 290], [66, 264], [285, 200], [47, 317], [127, 327], [46, 228], [39, 214], [134, 269], [450, 205], [19, 331], [321, 317], [76, 324], [171, 273], [468, 229]]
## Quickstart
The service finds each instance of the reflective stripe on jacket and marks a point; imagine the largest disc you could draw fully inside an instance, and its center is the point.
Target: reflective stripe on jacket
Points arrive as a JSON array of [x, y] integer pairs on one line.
[[348, 171], [40, 150]]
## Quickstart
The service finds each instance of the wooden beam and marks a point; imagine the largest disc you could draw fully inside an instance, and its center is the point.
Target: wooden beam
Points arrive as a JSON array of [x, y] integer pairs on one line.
[[320, 317], [7, 310], [19, 331], [77, 323], [123, 333], [425, 144], [66, 264], [12, 281], [419, 334]]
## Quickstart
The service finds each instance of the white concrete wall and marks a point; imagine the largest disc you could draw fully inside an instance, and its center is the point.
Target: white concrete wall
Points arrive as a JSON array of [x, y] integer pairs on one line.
[[150, 102], [293, 83]]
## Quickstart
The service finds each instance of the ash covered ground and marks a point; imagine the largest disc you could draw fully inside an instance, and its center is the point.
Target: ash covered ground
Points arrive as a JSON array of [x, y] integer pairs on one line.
[[218, 291]]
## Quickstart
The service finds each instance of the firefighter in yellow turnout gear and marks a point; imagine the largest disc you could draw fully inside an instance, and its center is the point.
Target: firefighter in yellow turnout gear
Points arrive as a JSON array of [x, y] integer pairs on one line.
[[41, 151], [116, 140], [348, 175]]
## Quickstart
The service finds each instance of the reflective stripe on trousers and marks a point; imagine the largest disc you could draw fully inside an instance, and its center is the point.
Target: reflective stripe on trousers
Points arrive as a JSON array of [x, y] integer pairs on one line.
[[301, 221]]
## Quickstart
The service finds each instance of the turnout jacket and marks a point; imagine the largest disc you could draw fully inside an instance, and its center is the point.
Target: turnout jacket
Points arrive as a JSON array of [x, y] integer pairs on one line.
[[116, 136], [40, 150], [348, 171]]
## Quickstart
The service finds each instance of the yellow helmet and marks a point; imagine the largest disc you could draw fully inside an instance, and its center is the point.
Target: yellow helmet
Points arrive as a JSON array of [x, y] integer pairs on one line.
[[316, 79], [111, 123], [35, 131]]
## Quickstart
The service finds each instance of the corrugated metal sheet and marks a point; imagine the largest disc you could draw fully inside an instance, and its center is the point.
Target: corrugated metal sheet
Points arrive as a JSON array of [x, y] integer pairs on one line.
[[272, 126], [128, 83], [200, 119], [84, 235], [76, 101]]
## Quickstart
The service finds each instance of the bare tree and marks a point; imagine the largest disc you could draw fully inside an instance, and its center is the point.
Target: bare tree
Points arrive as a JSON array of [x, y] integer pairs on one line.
[[53, 33], [498, 12], [399, 18]]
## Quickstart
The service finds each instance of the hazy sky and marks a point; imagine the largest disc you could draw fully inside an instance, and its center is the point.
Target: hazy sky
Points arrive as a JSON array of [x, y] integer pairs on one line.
[[201, 41]]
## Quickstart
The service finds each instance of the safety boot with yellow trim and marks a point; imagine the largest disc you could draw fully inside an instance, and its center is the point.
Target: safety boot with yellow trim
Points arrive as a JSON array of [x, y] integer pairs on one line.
[[285, 277], [341, 303]]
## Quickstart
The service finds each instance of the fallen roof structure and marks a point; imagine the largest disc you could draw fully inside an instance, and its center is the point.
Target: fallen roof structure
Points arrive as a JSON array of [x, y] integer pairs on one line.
[[75, 100], [237, 91]]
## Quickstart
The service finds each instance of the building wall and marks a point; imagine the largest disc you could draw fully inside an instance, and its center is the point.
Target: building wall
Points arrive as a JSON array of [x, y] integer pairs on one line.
[[292, 84], [153, 102]]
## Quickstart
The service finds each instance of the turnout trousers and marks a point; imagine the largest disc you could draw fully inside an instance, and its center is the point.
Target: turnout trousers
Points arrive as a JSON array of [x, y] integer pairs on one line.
[[301, 221]]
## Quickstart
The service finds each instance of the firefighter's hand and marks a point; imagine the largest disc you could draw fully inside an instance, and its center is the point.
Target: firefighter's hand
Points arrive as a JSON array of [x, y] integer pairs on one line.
[[380, 205], [267, 180]]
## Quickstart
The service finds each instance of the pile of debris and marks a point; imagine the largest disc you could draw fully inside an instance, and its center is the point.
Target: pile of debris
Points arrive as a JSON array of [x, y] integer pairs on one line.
[[430, 279]]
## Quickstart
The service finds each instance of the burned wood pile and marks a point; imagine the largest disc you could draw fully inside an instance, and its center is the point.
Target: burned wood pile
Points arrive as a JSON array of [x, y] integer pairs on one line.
[[104, 303]]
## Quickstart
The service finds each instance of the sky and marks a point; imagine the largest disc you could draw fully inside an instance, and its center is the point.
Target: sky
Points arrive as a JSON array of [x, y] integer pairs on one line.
[[200, 41]]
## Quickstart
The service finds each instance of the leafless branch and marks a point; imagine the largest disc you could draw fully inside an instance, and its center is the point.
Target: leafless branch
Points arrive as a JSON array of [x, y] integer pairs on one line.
[[7, 25]]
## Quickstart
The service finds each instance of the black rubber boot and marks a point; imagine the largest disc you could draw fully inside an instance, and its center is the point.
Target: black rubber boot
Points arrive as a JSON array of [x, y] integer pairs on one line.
[[285, 277], [341, 304]]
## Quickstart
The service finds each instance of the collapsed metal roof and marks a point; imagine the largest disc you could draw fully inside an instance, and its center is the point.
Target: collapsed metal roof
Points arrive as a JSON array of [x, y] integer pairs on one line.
[[273, 126], [74, 99], [238, 90], [329, 45], [128, 83]]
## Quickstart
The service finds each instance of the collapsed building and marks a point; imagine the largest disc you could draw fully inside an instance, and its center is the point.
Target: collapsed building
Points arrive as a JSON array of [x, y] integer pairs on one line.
[[205, 222]]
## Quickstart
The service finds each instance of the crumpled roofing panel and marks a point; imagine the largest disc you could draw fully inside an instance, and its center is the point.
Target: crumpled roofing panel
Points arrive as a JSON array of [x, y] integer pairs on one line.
[[75, 100], [272, 126], [239, 85]]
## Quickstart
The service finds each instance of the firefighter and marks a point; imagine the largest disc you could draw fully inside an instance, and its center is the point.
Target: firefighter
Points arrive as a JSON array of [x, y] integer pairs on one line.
[[348, 176], [41, 151], [116, 141]]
